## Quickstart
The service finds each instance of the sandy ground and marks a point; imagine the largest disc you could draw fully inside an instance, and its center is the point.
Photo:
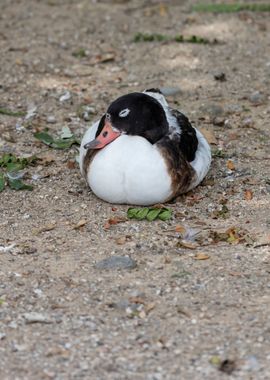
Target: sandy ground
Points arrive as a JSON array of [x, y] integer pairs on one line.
[[174, 316]]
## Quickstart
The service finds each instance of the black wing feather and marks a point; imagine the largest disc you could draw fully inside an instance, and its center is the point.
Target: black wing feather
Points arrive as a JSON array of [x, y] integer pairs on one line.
[[188, 138]]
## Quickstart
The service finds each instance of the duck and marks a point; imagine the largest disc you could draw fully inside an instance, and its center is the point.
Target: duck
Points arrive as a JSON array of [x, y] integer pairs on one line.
[[143, 152]]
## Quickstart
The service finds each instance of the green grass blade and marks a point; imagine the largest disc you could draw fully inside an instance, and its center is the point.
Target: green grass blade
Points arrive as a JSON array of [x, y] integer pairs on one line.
[[231, 8], [2, 182]]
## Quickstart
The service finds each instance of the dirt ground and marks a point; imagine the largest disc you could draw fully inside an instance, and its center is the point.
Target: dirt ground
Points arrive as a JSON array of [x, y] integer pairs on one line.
[[189, 310]]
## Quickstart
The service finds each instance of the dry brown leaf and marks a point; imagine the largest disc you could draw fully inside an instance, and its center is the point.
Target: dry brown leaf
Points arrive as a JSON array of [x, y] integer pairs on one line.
[[113, 221], [104, 58], [209, 135], [48, 227], [180, 229], [149, 307], [121, 240], [46, 159], [71, 164], [80, 224], [201, 256], [167, 260], [137, 300], [236, 274], [230, 165], [248, 195], [188, 244], [163, 10]]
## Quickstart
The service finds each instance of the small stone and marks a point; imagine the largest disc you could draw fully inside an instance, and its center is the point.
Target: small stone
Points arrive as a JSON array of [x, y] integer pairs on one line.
[[247, 122], [220, 76], [256, 98], [251, 363], [170, 91], [213, 110], [51, 119], [233, 109], [219, 121], [117, 262], [34, 317], [66, 96]]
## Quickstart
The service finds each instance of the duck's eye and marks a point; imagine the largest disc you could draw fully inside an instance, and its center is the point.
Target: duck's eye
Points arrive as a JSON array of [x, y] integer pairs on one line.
[[108, 116], [124, 112]]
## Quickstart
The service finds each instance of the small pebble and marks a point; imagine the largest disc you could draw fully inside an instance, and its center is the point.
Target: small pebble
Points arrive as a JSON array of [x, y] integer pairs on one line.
[[66, 96], [213, 110], [220, 76], [219, 121], [117, 262], [34, 317], [170, 91], [256, 98], [51, 119], [247, 122]]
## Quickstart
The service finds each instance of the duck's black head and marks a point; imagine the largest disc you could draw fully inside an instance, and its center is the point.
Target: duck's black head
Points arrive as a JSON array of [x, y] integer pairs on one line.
[[135, 114], [138, 114]]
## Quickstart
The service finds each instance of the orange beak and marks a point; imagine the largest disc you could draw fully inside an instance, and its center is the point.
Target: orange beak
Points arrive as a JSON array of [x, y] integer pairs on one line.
[[107, 135]]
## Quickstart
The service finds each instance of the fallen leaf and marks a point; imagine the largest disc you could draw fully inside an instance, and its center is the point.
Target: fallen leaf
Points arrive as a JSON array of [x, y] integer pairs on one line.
[[2, 182], [167, 260], [113, 221], [137, 300], [48, 227], [263, 241], [17, 184], [150, 214], [46, 159], [121, 240], [187, 244], [71, 164], [248, 195], [80, 224], [215, 360], [230, 165], [182, 311], [236, 274], [209, 135], [201, 256], [149, 307], [104, 58], [163, 11]]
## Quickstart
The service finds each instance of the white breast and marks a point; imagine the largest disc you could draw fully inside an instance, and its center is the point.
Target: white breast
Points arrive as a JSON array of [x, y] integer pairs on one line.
[[128, 170]]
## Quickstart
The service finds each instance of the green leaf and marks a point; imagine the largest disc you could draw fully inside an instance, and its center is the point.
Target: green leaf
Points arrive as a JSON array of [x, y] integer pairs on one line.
[[154, 37], [63, 143], [44, 137], [233, 7], [165, 215], [2, 182], [149, 213], [141, 214], [66, 133], [17, 184], [80, 53], [153, 214], [131, 213], [60, 143], [13, 163], [14, 166], [5, 111]]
